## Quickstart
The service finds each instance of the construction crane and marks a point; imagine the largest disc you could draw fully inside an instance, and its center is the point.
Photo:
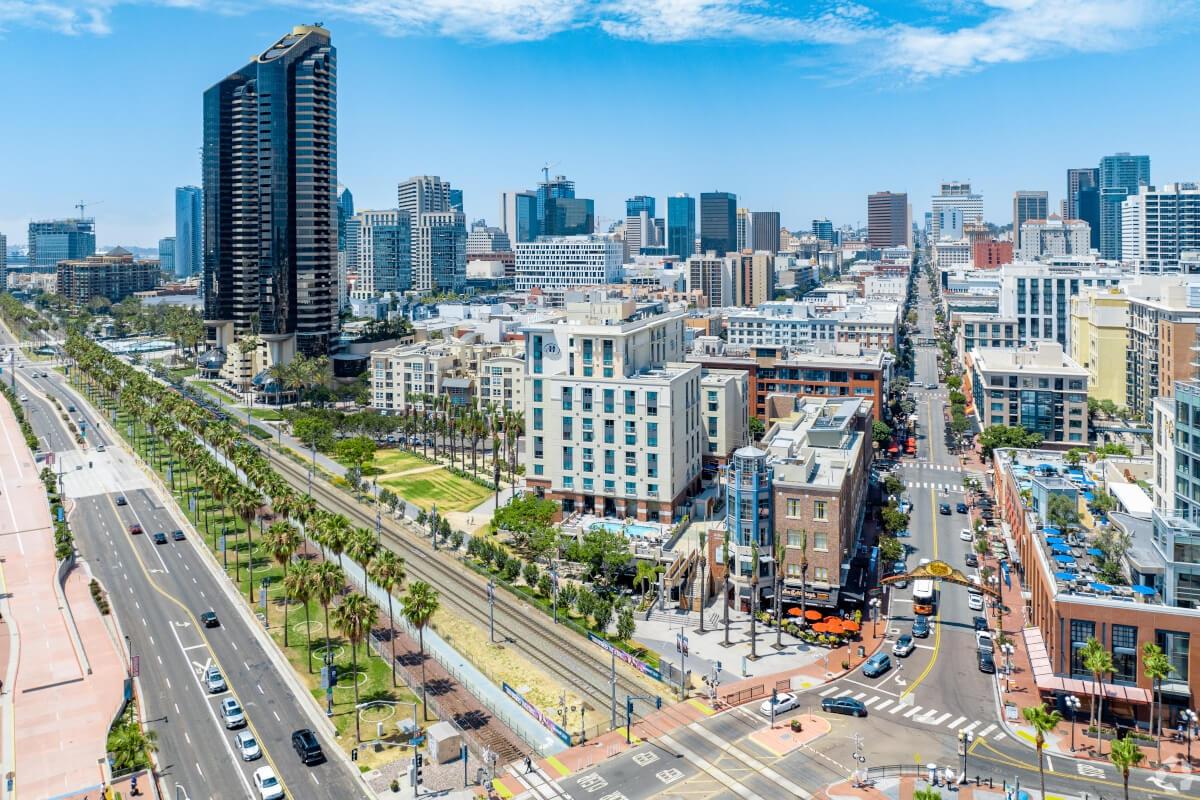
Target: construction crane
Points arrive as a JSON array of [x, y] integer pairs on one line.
[[546, 170], [82, 206]]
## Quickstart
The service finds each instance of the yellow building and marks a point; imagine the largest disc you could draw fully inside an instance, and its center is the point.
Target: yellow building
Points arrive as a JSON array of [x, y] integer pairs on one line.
[[1100, 339]]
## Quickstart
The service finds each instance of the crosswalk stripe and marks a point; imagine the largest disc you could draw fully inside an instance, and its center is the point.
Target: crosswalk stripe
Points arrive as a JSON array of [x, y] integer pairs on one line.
[[894, 708], [970, 727], [844, 693], [884, 705], [829, 691], [914, 710], [954, 725], [942, 718], [860, 695], [988, 729], [870, 701], [999, 735]]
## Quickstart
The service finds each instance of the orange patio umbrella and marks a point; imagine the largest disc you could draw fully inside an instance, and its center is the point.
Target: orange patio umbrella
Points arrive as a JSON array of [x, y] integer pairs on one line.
[[821, 627], [833, 625], [812, 615], [794, 612], [849, 625]]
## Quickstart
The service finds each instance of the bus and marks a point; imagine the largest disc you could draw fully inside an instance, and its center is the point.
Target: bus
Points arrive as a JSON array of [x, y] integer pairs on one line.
[[924, 597]]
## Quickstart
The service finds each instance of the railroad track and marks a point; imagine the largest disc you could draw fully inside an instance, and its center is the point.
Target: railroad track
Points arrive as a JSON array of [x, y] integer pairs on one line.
[[577, 664]]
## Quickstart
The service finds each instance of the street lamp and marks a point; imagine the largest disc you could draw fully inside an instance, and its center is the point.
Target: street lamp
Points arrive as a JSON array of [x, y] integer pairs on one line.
[[1189, 720], [433, 524], [1072, 703], [875, 603], [1007, 649], [964, 745]]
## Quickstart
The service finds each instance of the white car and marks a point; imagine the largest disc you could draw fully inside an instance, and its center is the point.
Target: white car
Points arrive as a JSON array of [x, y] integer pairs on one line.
[[975, 602], [784, 701], [983, 640], [267, 784], [247, 745], [214, 681], [965, 534]]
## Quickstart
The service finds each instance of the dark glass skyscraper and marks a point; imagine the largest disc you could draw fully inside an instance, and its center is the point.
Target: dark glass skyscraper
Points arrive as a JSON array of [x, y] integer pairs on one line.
[[718, 222], [569, 216], [1087, 208], [639, 203], [270, 205], [55, 240], [345, 212], [681, 226], [1120, 176], [559, 187], [1080, 178], [189, 235]]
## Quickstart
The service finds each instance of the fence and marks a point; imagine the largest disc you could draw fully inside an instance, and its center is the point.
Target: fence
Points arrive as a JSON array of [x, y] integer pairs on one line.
[[744, 695]]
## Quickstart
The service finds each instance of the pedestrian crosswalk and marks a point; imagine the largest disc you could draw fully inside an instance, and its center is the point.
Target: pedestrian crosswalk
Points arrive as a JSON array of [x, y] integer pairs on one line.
[[943, 467], [941, 487], [921, 715]]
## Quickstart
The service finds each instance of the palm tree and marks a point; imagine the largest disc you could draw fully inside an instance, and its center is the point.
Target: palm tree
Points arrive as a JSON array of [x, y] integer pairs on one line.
[[780, 552], [283, 540], [246, 503], [1124, 755], [130, 745], [803, 573], [928, 793], [335, 534], [1099, 662], [645, 575], [361, 546], [725, 595], [1043, 722], [1157, 667], [354, 617], [387, 570], [418, 607], [299, 585], [328, 580]]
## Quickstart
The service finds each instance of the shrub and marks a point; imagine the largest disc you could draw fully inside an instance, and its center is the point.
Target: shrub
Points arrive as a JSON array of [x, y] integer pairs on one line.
[[530, 574], [511, 569]]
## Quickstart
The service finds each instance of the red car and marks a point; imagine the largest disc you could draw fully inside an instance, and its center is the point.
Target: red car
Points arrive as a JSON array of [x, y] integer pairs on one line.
[[135, 529]]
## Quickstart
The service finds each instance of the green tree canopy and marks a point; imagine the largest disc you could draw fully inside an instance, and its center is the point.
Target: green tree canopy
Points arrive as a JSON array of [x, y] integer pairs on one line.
[[1000, 436]]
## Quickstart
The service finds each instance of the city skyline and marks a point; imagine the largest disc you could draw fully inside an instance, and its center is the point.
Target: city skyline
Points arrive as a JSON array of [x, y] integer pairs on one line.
[[134, 169]]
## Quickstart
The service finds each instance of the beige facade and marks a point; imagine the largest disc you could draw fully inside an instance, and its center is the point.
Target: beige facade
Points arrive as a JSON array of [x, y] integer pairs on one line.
[[1038, 388], [400, 374], [1099, 340], [723, 409], [501, 382]]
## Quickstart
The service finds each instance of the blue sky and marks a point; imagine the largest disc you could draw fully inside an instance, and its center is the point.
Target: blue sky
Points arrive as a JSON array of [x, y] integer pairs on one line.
[[804, 108]]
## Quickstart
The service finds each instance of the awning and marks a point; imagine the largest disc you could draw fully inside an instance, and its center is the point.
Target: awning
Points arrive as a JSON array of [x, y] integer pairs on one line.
[[1046, 680]]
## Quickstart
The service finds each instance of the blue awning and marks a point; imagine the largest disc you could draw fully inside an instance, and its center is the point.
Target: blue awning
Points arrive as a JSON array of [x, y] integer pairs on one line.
[[1064, 559], [1139, 589], [1055, 540], [1065, 576], [1100, 587], [1095, 551], [1049, 531], [1059, 549]]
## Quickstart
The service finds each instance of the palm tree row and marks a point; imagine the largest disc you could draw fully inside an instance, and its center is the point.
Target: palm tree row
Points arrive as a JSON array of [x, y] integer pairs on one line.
[[234, 475], [456, 429]]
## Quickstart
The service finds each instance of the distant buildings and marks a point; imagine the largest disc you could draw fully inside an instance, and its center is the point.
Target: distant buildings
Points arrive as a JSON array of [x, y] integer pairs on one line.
[[423, 194], [745, 233], [888, 219], [764, 226], [681, 226], [569, 216], [519, 216], [1054, 237], [1038, 296], [483, 240], [822, 230], [718, 222], [955, 201], [114, 275], [713, 276], [380, 253], [439, 252], [568, 261], [990, 253], [1159, 225], [1039, 389], [189, 232], [797, 323], [345, 211], [55, 240], [754, 277], [557, 187], [1121, 175], [1078, 179], [270, 214], [166, 254], [1028, 205]]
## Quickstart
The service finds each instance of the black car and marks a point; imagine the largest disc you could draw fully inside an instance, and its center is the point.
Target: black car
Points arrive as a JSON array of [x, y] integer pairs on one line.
[[160, 538], [944, 508], [209, 619], [920, 628], [980, 623], [177, 536], [972, 560], [986, 662], [121, 501], [961, 508], [307, 747], [844, 705]]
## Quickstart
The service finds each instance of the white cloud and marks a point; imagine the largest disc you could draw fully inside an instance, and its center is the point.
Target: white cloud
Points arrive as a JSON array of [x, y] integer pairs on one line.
[[957, 36]]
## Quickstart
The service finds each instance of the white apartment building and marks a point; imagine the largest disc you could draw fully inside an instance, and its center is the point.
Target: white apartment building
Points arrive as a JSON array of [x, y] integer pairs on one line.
[[483, 240], [1038, 388], [885, 287], [724, 399], [713, 276], [1160, 224], [568, 261], [795, 323], [612, 420], [422, 194], [501, 382], [956, 253], [439, 252], [958, 195], [1164, 453], [1038, 296], [400, 374], [1054, 237], [379, 253]]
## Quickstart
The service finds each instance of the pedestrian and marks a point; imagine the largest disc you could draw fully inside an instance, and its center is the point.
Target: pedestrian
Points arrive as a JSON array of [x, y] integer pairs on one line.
[[528, 765]]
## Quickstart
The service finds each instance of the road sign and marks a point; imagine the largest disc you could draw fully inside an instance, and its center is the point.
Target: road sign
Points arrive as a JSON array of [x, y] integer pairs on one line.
[[135, 666]]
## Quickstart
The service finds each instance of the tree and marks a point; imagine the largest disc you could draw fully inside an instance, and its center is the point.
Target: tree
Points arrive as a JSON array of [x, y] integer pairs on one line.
[[299, 585], [283, 540], [130, 745], [1043, 722], [894, 520], [1125, 755], [926, 793], [1157, 667], [602, 615], [757, 429], [893, 486], [1001, 436], [1103, 502], [1061, 511], [1114, 449], [387, 570], [1074, 456], [357, 451], [418, 606], [891, 549], [354, 617], [1099, 662], [645, 576], [954, 382], [603, 550], [625, 626], [328, 580], [1108, 407], [881, 432]]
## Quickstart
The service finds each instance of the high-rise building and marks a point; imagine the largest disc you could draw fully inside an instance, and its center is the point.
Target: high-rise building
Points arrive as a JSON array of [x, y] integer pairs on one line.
[[764, 228], [745, 225], [755, 278], [718, 222], [189, 231], [713, 275], [1056, 237], [423, 194], [1087, 207], [345, 207], [114, 275], [547, 189], [640, 231], [1028, 205], [1120, 176], [954, 195], [637, 204], [3, 263], [519, 216], [1159, 224], [887, 219], [569, 216], [822, 231], [1079, 178], [456, 200], [55, 240], [554, 261], [166, 254], [681, 226], [270, 215], [439, 252], [382, 253], [483, 240]]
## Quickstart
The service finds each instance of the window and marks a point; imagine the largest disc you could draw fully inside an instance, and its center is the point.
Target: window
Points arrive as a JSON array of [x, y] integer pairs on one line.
[[795, 538], [1081, 631], [609, 431], [712, 401], [652, 489], [1124, 653], [630, 400], [630, 488], [793, 570], [568, 458], [566, 398], [794, 507], [537, 419], [821, 542], [652, 434], [652, 404], [609, 399], [821, 574], [820, 510], [568, 428], [630, 432], [537, 390], [610, 487], [589, 484], [568, 482]]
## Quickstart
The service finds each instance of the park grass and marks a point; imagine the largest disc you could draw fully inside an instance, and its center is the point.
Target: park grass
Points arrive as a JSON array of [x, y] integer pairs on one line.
[[391, 461], [450, 492]]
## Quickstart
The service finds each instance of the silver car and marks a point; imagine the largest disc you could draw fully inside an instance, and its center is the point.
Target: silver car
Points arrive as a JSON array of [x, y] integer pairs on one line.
[[232, 713], [247, 745], [214, 680]]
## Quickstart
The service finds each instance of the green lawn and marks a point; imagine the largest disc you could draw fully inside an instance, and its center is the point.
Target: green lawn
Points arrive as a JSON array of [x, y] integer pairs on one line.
[[396, 461], [450, 492]]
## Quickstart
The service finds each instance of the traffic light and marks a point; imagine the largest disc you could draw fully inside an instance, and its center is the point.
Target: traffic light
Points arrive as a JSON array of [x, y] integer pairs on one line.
[[354, 754], [333, 675], [418, 763]]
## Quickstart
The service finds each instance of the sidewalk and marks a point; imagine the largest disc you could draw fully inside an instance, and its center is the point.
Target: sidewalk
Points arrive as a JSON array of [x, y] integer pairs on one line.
[[62, 709]]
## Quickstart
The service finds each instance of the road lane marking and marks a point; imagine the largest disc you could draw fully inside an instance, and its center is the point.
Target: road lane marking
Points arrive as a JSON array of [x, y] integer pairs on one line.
[[870, 701], [168, 680], [883, 705], [757, 766], [954, 725], [860, 695], [971, 727], [276, 713], [937, 633], [194, 647], [910, 712], [260, 689], [843, 693], [829, 691], [988, 729]]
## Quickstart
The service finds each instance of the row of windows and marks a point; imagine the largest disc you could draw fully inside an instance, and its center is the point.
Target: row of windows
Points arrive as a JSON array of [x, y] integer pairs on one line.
[[795, 509]]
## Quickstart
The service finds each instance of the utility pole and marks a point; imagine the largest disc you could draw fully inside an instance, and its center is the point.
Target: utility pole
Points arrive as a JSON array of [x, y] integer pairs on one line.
[[378, 515], [612, 682], [491, 595]]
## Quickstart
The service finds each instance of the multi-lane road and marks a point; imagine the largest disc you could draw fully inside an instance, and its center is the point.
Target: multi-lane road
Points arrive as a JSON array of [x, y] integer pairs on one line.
[[158, 593]]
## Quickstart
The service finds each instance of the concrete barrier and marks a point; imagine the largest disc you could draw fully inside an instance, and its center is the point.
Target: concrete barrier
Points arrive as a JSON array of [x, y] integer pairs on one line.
[[60, 581]]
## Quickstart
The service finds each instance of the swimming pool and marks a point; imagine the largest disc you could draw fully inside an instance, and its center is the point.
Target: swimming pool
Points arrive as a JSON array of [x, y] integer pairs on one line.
[[634, 529]]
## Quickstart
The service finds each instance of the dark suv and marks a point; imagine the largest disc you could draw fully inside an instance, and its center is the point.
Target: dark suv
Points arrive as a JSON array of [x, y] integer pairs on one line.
[[307, 747]]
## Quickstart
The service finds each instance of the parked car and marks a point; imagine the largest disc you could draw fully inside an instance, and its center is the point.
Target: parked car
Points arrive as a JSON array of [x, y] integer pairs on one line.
[[232, 713], [920, 626], [975, 602], [214, 680], [247, 745], [965, 534], [307, 746], [905, 507], [209, 619], [944, 509], [983, 641], [987, 663], [267, 784], [972, 560], [876, 665], [903, 646], [962, 508], [844, 705], [980, 623], [784, 701]]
